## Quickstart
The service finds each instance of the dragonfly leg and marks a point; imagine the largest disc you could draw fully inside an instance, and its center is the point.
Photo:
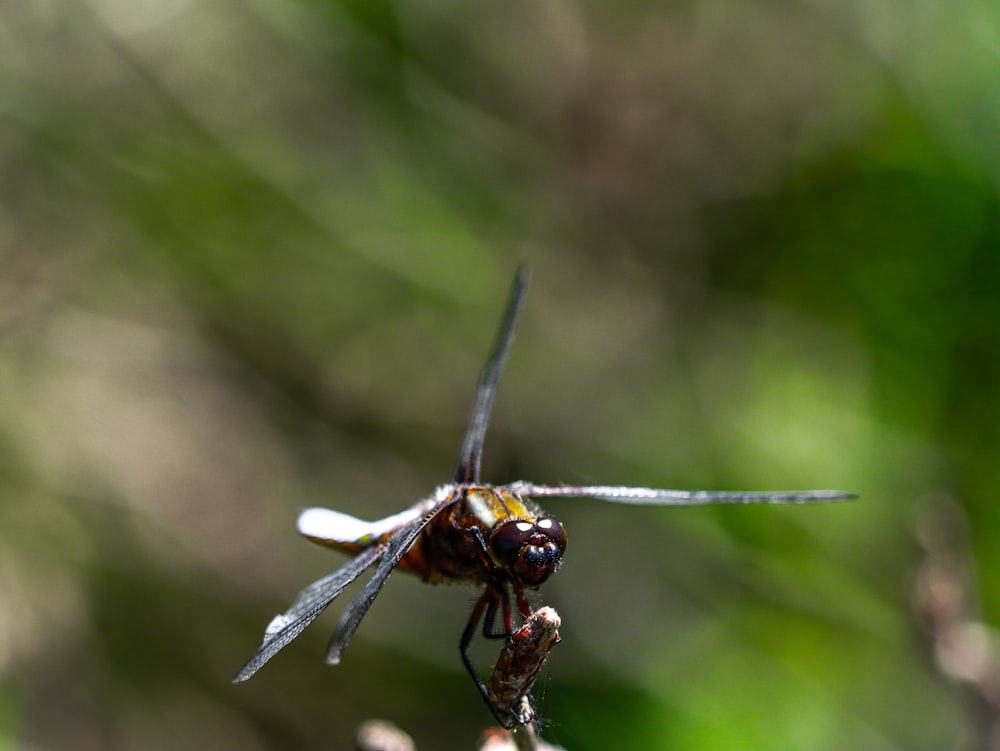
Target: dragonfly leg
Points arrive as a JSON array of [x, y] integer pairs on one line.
[[501, 599], [488, 603], [490, 618], [522, 604], [497, 594]]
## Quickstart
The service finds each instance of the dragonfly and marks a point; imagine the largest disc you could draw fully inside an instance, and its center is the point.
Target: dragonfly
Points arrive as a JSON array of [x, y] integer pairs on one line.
[[493, 536]]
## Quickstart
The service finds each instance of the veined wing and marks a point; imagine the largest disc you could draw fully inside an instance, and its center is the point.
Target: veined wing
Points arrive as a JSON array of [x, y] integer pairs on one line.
[[312, 601], [660, 497], [395, 549], [470, 457], [315, 598]]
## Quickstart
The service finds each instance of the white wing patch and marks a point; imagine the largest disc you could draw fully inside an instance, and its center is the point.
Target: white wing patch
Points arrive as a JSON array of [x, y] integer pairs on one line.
[[324, 524]]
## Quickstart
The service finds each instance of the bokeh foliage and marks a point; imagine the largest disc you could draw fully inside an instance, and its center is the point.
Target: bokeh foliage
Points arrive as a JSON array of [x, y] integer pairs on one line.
[[254, 253]]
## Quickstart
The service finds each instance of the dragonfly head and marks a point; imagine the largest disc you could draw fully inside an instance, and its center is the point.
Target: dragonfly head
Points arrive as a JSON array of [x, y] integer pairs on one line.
[[528, 549]]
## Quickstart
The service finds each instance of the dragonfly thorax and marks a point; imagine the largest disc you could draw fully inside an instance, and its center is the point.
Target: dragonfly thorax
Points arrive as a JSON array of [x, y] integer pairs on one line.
[[489, 535]]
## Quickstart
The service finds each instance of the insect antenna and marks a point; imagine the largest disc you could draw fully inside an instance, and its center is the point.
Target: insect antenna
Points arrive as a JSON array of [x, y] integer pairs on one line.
[[471, 456]]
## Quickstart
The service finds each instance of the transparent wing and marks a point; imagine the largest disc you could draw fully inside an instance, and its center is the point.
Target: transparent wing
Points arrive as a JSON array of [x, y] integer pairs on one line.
[[471, 456], [660, 497], [312, 601], [395, 550]]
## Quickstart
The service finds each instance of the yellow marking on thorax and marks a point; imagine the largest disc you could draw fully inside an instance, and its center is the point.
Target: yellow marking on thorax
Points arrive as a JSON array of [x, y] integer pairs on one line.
[[491, 505]]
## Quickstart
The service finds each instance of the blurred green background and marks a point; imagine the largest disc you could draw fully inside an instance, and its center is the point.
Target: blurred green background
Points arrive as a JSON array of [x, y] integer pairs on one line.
[[253, 254]]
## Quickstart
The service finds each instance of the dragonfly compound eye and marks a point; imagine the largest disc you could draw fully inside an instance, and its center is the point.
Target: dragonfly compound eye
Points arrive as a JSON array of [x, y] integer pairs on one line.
[[552, 529], [508, 539], [528, 551]]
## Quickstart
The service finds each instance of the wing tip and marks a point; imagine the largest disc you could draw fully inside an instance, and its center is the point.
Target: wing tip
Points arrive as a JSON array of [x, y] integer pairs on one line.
[[835, 495], [245, 674]]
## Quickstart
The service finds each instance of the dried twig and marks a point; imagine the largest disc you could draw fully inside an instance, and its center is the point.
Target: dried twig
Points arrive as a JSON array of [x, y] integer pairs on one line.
[[498, 739], [520, 661], [509, 690]]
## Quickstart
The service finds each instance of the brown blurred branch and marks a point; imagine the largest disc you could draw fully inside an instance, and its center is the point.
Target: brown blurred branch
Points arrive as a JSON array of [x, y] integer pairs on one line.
[[380, 735], [965, 649]]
